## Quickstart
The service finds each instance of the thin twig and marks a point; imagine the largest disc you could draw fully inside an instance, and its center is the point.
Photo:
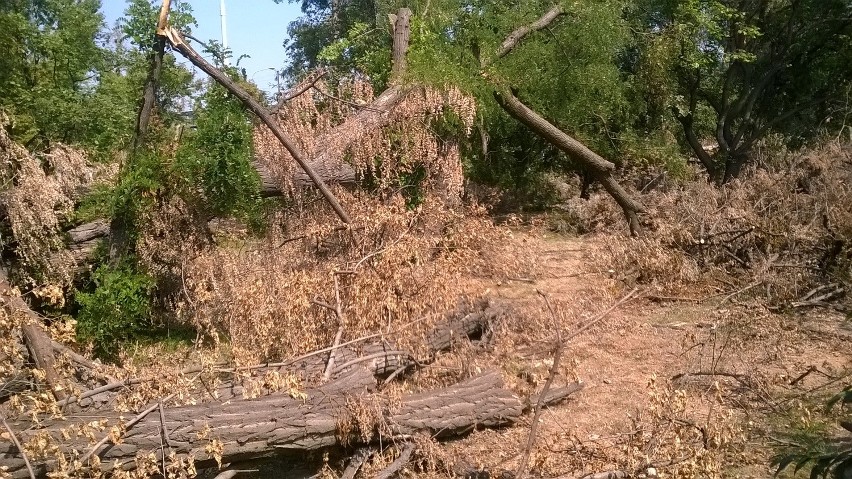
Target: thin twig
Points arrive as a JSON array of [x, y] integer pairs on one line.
[[93, 392], [396, 373], [325, 350], [299, 90], [337, 337], [350, 103], [20, 448], [595, 320], [554, 370], [738, 292], [398, 464], [130, 424]]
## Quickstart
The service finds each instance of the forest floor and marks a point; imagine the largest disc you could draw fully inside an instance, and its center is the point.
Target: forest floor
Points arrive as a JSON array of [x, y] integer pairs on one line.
[[690, 386]]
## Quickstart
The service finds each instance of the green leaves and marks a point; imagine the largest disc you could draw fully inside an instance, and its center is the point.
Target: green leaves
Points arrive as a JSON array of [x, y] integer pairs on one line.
[[216, 161], [118, 309]]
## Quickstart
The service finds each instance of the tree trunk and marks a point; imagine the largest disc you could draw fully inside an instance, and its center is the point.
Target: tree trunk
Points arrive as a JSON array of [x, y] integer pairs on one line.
[[37, 341], [734, 163], [599, 167], [247, 429], [401, 35]]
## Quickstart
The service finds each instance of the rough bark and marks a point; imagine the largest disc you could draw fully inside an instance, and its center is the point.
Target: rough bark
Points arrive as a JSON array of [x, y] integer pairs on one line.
[[599, 167], [401, 34], [250, 429]]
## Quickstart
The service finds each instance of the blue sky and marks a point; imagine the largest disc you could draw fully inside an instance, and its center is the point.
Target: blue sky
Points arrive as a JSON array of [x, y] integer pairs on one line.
[[255, 27]]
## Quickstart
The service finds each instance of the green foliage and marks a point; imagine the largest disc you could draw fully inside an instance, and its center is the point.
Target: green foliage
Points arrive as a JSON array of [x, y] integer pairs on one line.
[[65, 78], [363, 49], [740, 71], [117, 309], [95, 205], [144, 175], [216, 160], [326, 22], [813, 446], [45, 72]]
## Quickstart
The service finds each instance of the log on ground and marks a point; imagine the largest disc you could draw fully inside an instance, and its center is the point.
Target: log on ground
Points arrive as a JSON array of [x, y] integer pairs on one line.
[[249, 429]]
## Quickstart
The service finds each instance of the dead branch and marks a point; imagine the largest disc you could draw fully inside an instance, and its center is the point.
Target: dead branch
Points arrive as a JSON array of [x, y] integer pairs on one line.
[[600, 316], [356, 461], [739, 292], [300, 89], [337, 337], [17, 444], [36, 338], [130, 424], [93, 392], [554, 370], [397, 464]]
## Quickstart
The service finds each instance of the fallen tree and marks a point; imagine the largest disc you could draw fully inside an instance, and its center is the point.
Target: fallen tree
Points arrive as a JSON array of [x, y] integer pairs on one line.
[[232, 428], [601, 169], [246, 429]]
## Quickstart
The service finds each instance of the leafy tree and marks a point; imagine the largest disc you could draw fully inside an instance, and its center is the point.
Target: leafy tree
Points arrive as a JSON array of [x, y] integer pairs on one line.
[[324, 23], [49, 67], [737, 71], [570, 72]]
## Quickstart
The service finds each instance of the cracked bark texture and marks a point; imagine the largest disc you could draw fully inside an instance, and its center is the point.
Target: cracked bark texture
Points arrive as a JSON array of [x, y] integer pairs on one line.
[[255, 428]]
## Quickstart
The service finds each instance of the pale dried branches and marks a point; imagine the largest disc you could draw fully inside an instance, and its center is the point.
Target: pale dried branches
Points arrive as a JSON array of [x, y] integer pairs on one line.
[[38, 196], [387, 144]]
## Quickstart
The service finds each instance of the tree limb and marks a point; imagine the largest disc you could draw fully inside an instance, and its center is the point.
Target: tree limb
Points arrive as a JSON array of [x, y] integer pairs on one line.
[[176, 41], [519, 34]]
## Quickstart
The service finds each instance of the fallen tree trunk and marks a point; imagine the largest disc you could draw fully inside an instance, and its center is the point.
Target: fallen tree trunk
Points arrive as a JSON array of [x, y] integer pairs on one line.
[[35, 337], [600, 168], [239, 430]]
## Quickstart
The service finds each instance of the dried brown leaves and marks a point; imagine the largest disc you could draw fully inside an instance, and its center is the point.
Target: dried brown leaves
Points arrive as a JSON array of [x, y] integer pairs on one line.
[[38, 195], [384, 145], [394, 266], [787, 227]]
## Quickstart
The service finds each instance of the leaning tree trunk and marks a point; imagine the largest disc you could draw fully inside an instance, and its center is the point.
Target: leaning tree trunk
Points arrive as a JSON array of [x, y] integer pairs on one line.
[[176, 41], [600, 168], [328, 163]]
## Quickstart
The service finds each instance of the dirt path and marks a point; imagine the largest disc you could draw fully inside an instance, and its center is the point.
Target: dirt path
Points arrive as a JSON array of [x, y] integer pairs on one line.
[[746, 359]]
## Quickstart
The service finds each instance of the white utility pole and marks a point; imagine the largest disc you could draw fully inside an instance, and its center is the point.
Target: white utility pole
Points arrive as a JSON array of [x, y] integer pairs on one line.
[[224, 28]]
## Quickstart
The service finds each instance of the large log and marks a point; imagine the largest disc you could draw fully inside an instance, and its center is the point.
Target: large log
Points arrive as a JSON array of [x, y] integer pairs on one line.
[[248, 429]]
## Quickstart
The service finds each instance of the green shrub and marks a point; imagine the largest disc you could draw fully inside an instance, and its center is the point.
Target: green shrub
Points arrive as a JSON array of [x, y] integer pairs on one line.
[[117, 310]]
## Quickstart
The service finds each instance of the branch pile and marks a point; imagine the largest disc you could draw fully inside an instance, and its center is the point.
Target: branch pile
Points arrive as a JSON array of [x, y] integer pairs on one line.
[[232, 429]]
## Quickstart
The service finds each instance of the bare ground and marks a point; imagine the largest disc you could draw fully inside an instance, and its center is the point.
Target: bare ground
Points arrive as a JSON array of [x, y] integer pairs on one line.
[[641, 407]]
